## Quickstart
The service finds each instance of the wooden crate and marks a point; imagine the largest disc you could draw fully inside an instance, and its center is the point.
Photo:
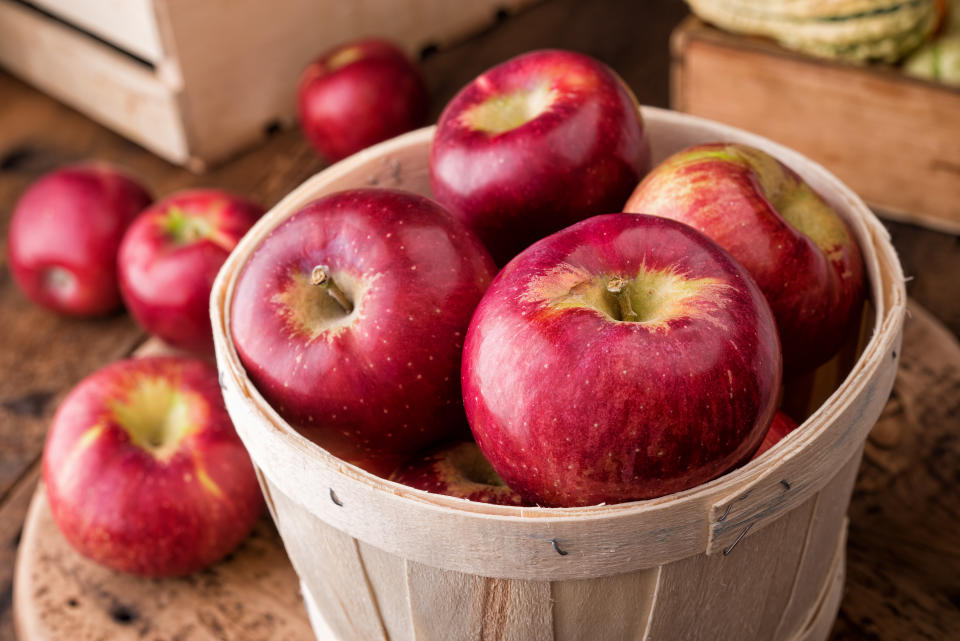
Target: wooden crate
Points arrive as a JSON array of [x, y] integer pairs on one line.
[[756, 555], [894, 139], [194, 81]]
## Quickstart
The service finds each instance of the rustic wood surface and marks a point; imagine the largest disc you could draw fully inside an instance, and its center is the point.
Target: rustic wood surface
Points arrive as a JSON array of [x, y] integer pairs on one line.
[[903, 554]]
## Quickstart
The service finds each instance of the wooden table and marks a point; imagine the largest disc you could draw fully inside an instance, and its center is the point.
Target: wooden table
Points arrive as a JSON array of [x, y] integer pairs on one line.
[[904, 550]]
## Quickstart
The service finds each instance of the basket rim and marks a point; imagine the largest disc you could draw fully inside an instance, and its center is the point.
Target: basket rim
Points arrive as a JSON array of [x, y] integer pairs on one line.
[[886, 287]]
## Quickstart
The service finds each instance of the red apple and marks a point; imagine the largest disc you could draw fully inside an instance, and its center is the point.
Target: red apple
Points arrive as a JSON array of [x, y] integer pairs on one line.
[[359, 94], [780, 427], [535, 144], [350, 318], [458, 470], [144, 471], [64, 235], [625, 357], [794, 244], [170, 256]]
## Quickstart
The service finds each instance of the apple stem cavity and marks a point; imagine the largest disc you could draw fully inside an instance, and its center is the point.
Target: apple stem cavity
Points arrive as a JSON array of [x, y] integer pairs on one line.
[[618, 286], [186, 229], [320, 277]]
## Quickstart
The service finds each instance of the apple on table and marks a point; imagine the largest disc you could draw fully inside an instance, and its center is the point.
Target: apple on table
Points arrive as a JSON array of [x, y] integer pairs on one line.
[[64, 234], [625, 357], [794, 243], [170, 257], [536, 144], [144, 471], [350, 317], [357, 94]]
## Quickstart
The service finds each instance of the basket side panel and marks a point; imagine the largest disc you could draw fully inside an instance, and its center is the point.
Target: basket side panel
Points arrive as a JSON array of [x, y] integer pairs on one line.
[[329, 564], [619, 605], [826, 526], [739, 595], [453, 606], [387, 574]]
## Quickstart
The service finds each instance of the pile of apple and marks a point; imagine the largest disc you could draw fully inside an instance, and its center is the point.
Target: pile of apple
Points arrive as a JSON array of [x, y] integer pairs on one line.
[[142, 466], [614, 357]]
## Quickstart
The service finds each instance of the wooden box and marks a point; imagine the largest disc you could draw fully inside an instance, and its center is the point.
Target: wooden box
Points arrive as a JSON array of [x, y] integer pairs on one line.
[[196, 80], [756, 555], [892, 138]]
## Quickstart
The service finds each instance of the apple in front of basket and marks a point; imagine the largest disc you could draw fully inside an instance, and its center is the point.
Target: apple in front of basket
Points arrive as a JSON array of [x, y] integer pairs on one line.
[[144, 471]]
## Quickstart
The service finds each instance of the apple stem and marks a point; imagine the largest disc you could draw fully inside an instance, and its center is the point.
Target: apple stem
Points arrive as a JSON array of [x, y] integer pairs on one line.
[[618, 285], [321, 278]]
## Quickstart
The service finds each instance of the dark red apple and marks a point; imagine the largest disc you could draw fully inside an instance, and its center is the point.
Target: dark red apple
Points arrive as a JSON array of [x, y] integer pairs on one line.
[[144, 471], [780, 427], [795, 245], [170, 256], [359, 94], [535, 144], [350, 319], [457, 470], [64, 235], [625, 357]]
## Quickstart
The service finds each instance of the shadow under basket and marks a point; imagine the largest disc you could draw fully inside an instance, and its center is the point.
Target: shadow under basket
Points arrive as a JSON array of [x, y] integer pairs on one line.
[[757, 554]]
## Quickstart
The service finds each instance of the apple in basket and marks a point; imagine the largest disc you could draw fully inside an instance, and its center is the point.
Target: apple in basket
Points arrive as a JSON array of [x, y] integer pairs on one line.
[[144, 471], [796, 246], [358, 94], [535, 144], [780, 427], [350, 319], [459, 470], [64, 234], [170, 257], [625, 357]]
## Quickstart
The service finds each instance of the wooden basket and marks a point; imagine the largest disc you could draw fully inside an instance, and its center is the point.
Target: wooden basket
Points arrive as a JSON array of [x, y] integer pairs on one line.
[[197, 80], [754, 555]]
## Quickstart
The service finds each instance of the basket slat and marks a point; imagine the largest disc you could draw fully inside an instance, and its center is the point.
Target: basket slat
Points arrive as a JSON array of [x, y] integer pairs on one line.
[[619, 605], [453, 605], [826, 525], [323, 555], [387, 577], [786, 562], [757, 601]]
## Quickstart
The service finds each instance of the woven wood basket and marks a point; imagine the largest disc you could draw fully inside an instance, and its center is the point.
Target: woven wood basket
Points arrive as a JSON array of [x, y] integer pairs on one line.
[[757, 554]]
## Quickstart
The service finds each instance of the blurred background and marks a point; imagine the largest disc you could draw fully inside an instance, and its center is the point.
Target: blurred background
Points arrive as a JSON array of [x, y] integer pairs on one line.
[[194, 100]]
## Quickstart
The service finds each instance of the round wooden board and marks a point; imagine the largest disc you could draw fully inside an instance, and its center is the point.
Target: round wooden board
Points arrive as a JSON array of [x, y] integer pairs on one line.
[[252, 595]]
